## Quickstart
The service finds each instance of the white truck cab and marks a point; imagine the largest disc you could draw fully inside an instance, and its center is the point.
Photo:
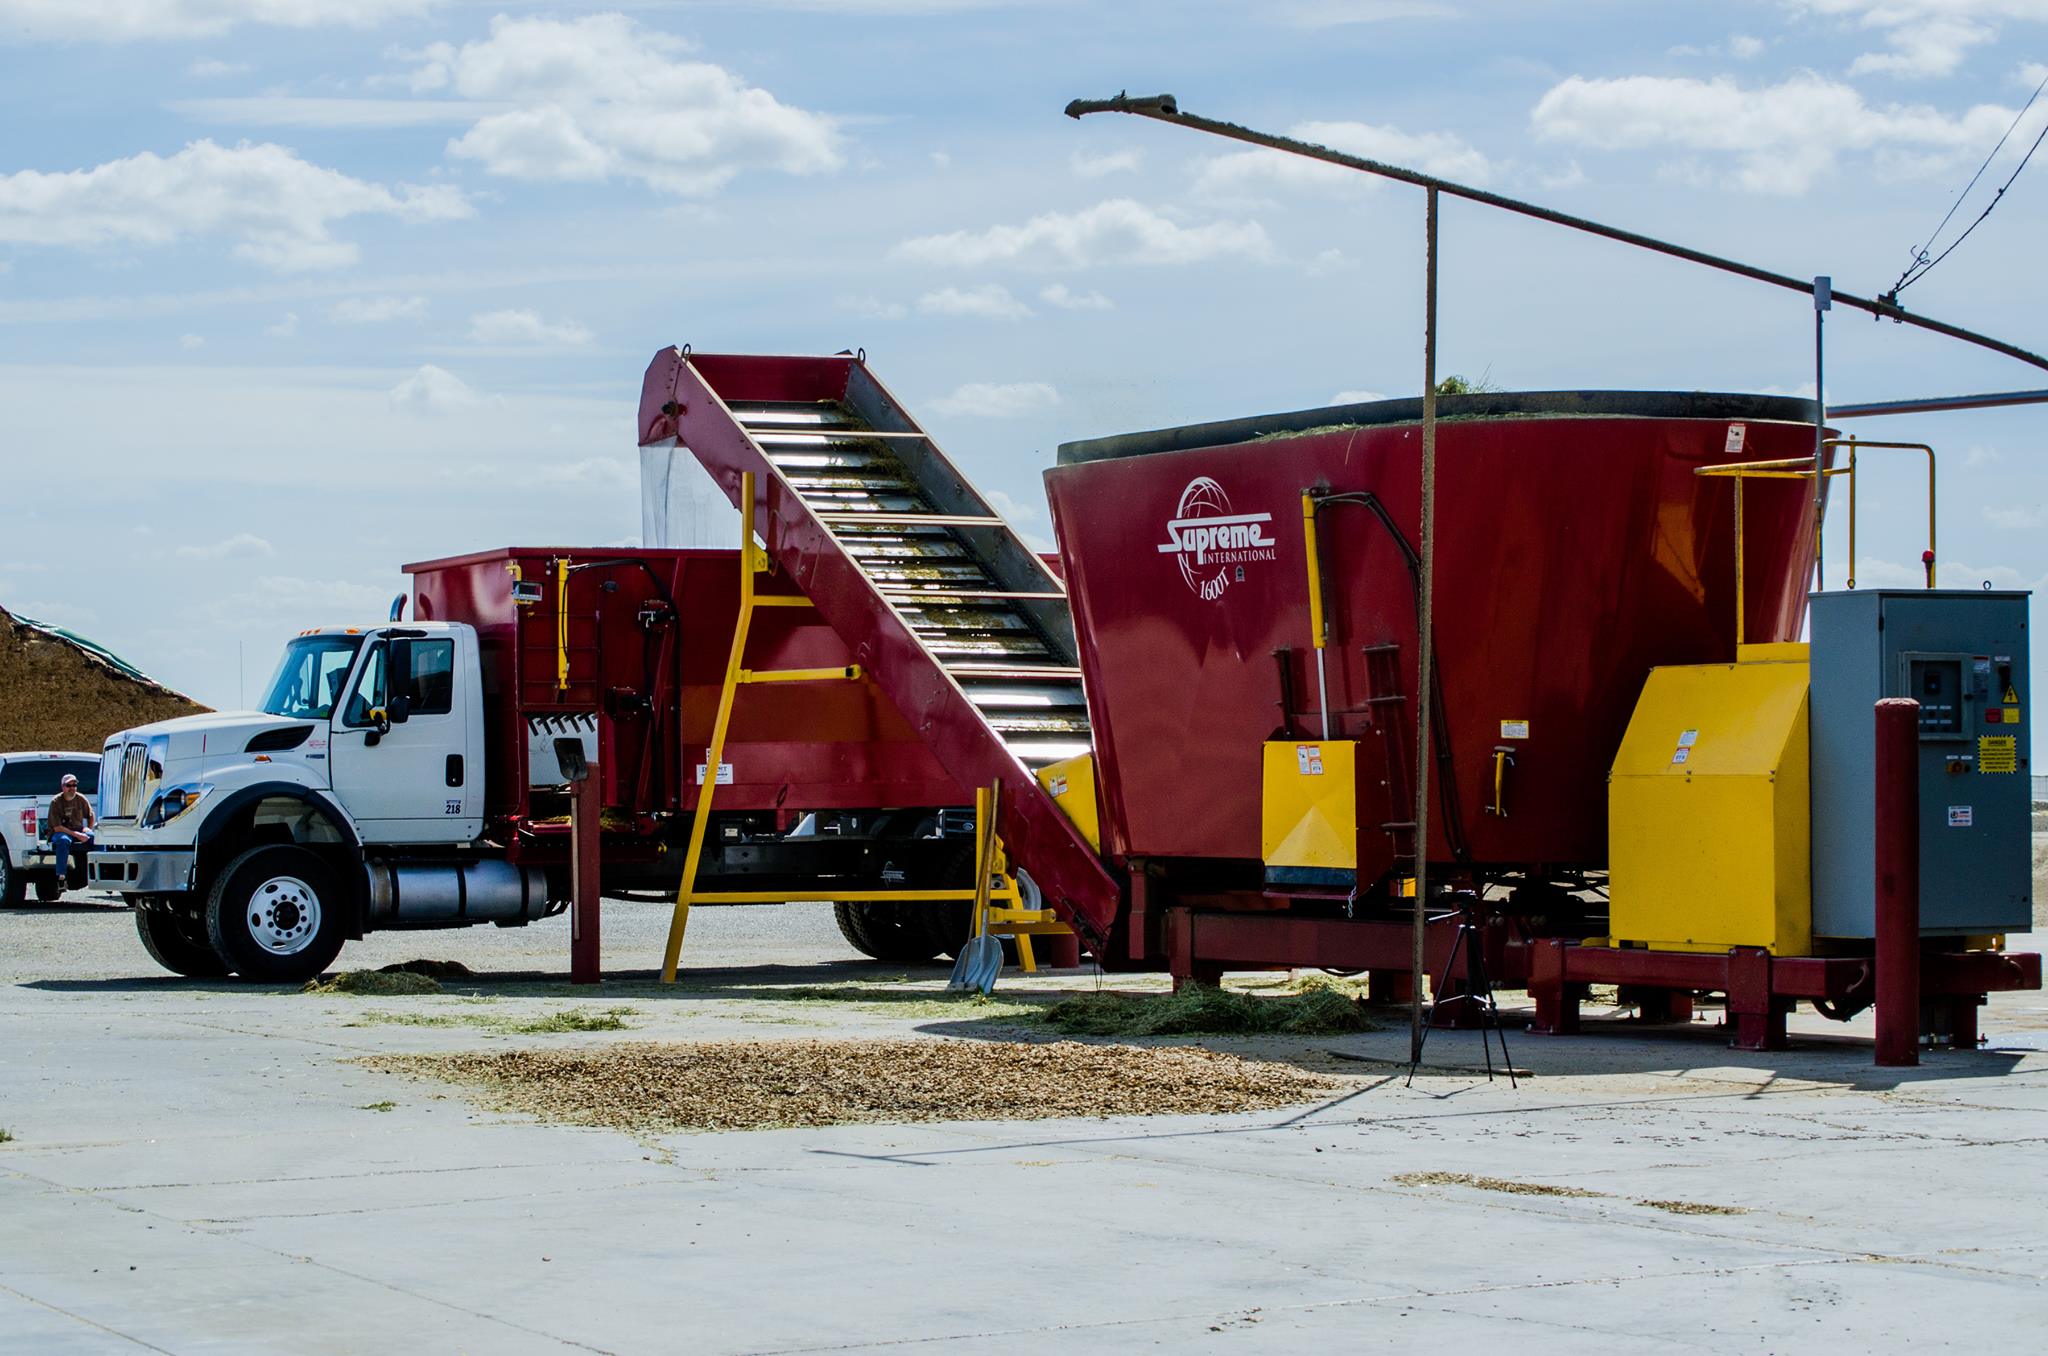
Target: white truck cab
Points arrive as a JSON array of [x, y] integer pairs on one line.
[[256, 842]]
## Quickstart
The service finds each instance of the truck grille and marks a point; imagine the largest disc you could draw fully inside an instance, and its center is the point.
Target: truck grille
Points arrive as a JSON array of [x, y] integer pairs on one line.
[[134, 779]]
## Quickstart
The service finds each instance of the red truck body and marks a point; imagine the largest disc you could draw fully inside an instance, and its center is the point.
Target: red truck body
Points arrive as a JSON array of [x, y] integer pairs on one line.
[[646, 637]]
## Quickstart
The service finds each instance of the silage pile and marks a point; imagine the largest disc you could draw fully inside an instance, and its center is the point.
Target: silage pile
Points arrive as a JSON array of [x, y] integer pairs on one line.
[[59, 692], [745, 1085]]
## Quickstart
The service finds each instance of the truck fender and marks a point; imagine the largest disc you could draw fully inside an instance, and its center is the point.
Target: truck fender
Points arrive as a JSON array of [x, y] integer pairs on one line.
[[222, 814]]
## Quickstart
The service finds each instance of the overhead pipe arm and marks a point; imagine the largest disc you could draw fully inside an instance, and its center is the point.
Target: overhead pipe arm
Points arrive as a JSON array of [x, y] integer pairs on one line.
[[1166, 108]]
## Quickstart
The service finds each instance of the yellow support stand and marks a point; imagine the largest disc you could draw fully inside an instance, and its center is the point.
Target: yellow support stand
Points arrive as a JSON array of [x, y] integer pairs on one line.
[[1017, 920]]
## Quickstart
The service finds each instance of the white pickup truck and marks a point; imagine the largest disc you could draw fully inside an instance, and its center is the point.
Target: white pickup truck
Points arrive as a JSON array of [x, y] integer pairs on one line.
[[28, 782]]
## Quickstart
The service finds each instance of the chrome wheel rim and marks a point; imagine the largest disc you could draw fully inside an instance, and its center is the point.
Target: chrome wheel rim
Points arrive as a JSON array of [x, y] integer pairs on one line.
[[284, 915]]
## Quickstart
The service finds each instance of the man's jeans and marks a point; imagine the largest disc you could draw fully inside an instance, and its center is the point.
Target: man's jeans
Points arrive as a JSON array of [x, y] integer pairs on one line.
[[63, 844]]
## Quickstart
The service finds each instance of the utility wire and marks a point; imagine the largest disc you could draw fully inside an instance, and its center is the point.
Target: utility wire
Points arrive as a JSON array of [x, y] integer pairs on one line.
[[1921, 264]]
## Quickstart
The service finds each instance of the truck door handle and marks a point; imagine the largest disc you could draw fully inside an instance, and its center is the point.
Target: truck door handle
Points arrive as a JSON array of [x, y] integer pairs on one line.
[[454, 769]]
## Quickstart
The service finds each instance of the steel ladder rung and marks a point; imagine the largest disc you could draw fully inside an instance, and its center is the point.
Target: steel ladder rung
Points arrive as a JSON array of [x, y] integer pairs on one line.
[[833, 517], [972, 672]]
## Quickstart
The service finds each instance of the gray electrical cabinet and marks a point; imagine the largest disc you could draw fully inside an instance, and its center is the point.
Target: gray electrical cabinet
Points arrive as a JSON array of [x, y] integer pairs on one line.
[[1962, 655]]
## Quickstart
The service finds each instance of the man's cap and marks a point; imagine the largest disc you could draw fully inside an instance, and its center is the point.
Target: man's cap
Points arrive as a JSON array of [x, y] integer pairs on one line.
[[69, 780]]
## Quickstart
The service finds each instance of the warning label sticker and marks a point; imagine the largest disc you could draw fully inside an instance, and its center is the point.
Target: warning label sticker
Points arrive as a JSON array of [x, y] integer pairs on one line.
[[1998, 753], [1309, 757], [1735, 436], [1514, 729], [2012, 695], [1961, 816]]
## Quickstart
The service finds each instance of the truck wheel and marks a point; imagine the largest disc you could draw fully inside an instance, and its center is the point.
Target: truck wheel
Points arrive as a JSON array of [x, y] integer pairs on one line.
[[274, 915], [894, 933], [179, 945], [49, 889], [12, 886]]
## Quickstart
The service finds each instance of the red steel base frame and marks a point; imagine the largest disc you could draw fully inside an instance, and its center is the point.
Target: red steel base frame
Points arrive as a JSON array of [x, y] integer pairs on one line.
[[1761, 988]]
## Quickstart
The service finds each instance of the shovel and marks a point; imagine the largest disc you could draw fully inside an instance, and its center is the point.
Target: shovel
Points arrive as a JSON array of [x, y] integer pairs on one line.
[[981, 959]]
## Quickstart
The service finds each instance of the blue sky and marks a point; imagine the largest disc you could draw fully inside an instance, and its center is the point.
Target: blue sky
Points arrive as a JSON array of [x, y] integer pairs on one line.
[[294, 291]]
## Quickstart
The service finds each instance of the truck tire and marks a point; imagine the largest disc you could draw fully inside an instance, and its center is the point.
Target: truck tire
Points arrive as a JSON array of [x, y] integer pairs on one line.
[[274, 915], [12, 886], [49, 889], [179, 945], [895, 933]]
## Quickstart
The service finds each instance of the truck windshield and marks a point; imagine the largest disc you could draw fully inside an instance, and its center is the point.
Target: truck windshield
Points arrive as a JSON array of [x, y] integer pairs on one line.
[[310, 677]]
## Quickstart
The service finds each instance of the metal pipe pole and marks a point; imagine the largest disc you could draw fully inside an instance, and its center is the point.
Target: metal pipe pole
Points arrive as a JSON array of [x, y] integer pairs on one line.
[[1424, 652], [1165, 108], [1897, 831], [586, 813], [1823, 289]]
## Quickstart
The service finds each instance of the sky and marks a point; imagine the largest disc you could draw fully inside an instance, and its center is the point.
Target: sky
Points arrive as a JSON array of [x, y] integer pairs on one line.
[[293, 292]]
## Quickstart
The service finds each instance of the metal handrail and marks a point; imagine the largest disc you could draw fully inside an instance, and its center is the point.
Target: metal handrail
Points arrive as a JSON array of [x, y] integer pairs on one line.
[[1799, 468], [1927, 556]]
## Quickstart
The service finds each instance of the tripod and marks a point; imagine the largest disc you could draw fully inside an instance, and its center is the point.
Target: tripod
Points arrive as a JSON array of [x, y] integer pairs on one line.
[[1478, 989]]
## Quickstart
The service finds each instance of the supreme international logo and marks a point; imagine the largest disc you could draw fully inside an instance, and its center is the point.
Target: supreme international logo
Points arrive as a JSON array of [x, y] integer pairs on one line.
[[1212, 544]]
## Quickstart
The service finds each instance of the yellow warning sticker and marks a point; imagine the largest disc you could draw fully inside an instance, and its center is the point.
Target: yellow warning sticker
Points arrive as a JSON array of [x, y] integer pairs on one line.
[[1998, 753], [1514, 729], [2012, 696]]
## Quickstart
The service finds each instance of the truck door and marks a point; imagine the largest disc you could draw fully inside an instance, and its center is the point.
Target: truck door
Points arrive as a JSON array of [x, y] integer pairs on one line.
[[401, 751]]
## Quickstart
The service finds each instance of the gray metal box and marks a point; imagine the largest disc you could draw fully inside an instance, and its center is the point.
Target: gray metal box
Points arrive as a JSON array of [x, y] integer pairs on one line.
[[1963, 656]]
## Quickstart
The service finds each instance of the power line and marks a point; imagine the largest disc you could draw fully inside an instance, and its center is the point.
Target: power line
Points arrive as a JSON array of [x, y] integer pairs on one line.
[[1921, 264]]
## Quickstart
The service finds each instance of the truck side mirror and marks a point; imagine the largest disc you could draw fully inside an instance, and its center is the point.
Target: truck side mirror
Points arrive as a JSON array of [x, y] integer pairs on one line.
[[399, 710]]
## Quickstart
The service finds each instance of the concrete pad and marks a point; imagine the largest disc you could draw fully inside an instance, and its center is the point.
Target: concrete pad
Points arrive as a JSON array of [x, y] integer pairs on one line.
[[216, 1140]]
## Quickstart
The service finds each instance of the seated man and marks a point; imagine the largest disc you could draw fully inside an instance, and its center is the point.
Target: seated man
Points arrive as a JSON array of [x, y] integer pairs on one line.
[[71, 824]]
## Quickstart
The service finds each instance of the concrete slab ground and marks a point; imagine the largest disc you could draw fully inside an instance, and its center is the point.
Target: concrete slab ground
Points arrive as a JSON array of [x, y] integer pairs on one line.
[[196, 1168]]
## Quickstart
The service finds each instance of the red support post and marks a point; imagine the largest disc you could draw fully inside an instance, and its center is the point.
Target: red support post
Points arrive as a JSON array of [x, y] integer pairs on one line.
[[586, 812], [1898, 882]]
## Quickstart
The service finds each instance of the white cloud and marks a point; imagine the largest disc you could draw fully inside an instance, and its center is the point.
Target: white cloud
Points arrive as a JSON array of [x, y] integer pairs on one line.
[[1743, 47], [993, 400], [1110, 162], [2014, 517], [377, 310], [991, 301], [524, 327], [284, 328], [1439, 153], [188, 342], [212, 69], [1064, 297], [873, 308], [1357, 397], [1979, 455], [277, 207], [433, 390], [1118, 231], [1923, 38], [1010, 507], [127, 20], [605, 97], [1782, 136], [241, 546], [942, 160]]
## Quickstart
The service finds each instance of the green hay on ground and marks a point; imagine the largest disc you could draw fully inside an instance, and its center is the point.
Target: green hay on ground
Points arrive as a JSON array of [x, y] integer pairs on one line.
[[571, 1019], [432, 969], [1200, 1010], [378, 982], [1695, 1208], [1501, 1184], [378, 1106], [6, 1136]]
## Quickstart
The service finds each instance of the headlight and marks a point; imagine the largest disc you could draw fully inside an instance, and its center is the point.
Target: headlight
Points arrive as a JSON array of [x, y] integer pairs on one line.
[[172, 802]]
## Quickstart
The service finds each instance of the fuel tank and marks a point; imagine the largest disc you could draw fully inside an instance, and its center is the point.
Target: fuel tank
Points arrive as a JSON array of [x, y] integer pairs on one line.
[[1574, 549]]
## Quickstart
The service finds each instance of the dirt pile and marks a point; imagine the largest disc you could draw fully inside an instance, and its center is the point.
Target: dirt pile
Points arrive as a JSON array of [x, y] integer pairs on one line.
[[744, 1085], [61, 692]]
